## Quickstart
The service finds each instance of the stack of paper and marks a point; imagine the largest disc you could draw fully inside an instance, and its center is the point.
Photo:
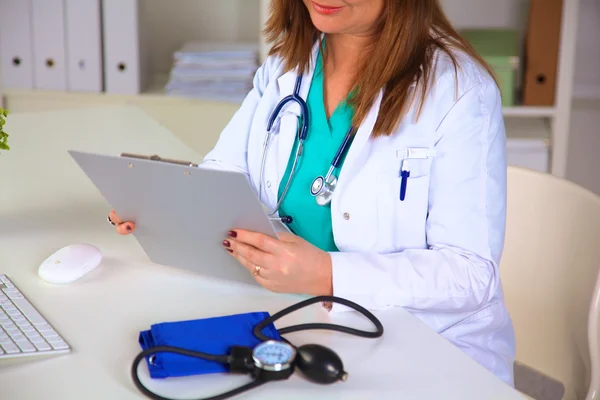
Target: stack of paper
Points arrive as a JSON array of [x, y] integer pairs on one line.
[[217, 71]]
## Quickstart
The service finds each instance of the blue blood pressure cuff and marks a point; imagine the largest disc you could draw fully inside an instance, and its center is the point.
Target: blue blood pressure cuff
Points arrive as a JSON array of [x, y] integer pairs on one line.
[[212, 335]]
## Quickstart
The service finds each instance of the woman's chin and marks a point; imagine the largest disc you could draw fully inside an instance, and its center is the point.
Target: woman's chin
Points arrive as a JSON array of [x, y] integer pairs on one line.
[[329, 25]]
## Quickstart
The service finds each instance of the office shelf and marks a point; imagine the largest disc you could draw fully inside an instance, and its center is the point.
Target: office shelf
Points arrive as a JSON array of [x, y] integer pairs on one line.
[[530, 112], [550, 123], [155, 92]]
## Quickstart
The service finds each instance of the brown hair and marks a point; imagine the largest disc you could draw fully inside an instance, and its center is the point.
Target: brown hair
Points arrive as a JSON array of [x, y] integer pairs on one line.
[[410, 32]]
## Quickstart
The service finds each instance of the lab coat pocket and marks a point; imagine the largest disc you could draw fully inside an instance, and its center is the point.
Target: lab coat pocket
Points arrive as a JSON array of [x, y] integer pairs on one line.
[[402, 222]]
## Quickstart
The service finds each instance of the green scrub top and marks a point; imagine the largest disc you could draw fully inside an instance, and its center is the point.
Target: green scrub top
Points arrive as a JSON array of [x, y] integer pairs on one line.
[[311, 221]]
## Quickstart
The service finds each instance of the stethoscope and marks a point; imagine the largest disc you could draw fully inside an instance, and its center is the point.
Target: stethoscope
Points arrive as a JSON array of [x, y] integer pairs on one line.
[[322, 187], [274, 360]]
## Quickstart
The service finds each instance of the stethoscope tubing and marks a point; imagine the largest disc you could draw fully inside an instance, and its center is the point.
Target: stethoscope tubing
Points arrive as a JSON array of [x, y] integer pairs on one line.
[[295, 98], [302, 134]]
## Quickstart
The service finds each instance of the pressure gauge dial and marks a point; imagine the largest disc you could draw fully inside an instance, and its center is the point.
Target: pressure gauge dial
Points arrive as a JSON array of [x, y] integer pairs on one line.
[[274, 360]]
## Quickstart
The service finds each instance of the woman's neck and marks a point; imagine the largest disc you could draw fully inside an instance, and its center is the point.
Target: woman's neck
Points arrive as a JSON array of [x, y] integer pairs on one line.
[[341, 62], [344, 52]]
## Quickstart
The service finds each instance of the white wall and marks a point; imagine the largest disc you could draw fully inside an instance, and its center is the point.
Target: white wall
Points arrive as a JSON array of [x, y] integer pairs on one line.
[[587, 69], [486, 14], [173, 22]]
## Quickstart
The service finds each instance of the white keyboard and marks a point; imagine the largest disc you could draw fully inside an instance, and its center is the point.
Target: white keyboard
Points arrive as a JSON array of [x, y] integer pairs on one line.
[[23, 330]]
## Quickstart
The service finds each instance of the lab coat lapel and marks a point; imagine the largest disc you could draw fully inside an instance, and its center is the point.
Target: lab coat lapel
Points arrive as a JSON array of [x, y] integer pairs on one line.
[[360, 140]]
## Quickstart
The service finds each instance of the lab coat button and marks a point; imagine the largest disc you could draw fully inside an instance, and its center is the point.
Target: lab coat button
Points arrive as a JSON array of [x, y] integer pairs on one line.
[[268, 184], [346, 216]]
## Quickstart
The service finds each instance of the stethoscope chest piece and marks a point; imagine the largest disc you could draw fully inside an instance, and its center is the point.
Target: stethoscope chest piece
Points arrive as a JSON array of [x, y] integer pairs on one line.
[[322, 189]]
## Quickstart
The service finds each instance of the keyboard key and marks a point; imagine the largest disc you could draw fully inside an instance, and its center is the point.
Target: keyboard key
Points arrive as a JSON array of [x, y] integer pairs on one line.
[[35, 338], [26, 347], [42, 346], [24, 324], [49, 335], [28, 329], [13, 331], [10, 291], [59, 345], [5, 340], [7, 324], [19, 318], [28, 310], [56, 339], [19, 338], [10, 348]]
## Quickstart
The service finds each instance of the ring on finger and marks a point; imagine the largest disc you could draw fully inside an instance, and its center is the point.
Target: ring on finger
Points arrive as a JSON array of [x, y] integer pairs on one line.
[[110, 221], [257, 270]]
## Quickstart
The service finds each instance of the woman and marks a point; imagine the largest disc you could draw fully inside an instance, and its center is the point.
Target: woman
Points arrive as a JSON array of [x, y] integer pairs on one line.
[[417, 218]]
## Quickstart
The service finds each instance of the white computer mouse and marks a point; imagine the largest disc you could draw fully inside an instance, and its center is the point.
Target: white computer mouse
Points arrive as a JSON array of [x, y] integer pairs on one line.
[[70, 263]]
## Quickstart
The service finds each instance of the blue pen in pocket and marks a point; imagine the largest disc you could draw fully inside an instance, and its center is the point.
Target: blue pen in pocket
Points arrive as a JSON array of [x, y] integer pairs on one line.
[[411, 153], [404, 174]]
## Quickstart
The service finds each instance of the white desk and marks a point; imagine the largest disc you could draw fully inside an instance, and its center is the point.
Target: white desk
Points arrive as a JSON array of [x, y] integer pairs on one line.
[[46, 202]]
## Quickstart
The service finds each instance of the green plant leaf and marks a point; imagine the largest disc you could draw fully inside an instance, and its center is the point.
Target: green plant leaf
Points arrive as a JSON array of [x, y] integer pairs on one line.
[[3, 135]]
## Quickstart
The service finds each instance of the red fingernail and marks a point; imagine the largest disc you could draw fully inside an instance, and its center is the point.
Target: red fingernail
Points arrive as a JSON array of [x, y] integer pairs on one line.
[[232, 234], [226, 243]]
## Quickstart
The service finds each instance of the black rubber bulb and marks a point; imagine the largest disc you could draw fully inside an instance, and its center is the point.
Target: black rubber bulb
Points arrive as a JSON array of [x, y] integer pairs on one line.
[[320, 364]]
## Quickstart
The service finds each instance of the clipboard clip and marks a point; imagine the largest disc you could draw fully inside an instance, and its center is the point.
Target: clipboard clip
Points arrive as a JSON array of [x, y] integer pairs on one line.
[[159, 159]]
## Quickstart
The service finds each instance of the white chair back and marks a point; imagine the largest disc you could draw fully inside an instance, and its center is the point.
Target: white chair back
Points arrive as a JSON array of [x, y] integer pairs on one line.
[[550, 273]]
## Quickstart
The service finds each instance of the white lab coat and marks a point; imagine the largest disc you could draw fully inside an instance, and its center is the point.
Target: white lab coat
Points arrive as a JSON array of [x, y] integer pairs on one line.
[[437, 253]]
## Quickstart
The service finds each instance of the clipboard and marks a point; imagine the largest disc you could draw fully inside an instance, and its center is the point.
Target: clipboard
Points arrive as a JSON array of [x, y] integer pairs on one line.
[[182, 213]]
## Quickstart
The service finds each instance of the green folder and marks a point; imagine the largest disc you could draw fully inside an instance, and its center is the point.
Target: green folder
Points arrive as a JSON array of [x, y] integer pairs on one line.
[[500, 49]]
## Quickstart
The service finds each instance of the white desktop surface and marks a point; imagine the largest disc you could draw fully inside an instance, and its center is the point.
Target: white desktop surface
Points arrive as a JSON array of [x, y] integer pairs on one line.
[[46, 202]]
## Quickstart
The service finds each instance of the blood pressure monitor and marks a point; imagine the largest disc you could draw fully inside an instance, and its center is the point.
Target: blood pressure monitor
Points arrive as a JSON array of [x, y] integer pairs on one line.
[[273, 360]]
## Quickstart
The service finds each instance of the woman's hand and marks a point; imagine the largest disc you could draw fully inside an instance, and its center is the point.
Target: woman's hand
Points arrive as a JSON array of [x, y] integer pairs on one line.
[[288, 265], [123, 228]]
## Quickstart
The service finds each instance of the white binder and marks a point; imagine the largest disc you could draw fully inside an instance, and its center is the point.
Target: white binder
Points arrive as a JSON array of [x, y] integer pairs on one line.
[[16, 51], [125, 55], [84, 45], [49, 69]]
